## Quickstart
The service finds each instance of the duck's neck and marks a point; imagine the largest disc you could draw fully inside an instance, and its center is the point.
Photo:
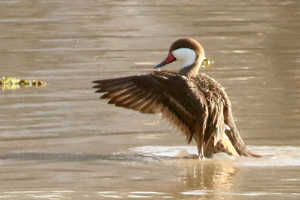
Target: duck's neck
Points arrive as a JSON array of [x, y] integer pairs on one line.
[[191, 70]]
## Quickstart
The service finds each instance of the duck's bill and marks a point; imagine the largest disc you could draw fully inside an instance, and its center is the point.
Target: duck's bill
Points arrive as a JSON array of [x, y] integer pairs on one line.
[[168, 60]]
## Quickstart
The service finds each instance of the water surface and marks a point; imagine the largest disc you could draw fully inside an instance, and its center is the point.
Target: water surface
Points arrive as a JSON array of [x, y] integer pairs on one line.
[[62, 142]]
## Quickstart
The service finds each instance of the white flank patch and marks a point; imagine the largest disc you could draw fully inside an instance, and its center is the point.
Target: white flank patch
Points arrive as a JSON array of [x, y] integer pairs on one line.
[[187, 55], [227, 127]]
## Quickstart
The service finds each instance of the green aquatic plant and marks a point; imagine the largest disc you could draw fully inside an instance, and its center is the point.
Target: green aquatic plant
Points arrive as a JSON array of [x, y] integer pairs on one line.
[[207, 62], [12, 83]]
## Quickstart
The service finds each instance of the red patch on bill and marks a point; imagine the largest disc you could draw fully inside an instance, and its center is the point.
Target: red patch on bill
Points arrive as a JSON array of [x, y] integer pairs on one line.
[[170, 58]]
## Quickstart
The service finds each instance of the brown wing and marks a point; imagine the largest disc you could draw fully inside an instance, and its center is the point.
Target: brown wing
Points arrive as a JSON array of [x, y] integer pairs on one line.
[[159, 92], [220, 116], [213, 93], [216, 125]]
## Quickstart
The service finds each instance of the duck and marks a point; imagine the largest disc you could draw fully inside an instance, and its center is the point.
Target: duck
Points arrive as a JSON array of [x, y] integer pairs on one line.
[[194, 103]]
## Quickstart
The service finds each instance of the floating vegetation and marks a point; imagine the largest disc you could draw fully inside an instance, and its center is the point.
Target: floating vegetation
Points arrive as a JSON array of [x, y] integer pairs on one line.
[[12, 83], [207, 62]]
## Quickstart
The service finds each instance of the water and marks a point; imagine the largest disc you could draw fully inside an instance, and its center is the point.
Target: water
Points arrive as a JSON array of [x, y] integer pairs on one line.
[[62, 142]]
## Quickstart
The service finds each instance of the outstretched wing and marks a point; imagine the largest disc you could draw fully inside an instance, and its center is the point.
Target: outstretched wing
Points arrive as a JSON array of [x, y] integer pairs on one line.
[[179, 101]]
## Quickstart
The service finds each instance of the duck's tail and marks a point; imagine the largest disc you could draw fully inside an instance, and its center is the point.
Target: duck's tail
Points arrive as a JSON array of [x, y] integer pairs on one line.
[[239, 145]]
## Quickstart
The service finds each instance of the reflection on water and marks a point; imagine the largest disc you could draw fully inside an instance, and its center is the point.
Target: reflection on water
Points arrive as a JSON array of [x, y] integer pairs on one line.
[[211, 179], [61, 142]]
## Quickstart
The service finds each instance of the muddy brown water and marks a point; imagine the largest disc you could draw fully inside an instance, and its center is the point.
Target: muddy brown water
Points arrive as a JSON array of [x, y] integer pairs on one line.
[[62, 142]]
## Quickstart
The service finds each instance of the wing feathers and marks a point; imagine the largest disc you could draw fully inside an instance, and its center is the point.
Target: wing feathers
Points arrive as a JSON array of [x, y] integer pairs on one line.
[[155, 93], [113, 93], [172, 95], [171, 117]]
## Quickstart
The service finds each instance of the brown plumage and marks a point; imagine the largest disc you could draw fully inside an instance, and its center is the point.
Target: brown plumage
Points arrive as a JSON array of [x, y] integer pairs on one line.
[[194, 103]]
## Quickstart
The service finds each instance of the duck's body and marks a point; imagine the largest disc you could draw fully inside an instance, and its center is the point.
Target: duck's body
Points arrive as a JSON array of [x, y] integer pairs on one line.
[[195, 103]]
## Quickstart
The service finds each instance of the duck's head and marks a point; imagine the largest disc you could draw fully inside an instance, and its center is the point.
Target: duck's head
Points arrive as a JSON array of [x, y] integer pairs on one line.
[[189, 51]]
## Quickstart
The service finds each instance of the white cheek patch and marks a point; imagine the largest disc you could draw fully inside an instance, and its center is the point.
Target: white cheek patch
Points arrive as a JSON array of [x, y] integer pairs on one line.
[[187, 55]]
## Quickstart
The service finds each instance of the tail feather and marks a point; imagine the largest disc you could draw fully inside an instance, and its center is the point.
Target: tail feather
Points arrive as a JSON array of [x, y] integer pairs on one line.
[[239, 144]]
